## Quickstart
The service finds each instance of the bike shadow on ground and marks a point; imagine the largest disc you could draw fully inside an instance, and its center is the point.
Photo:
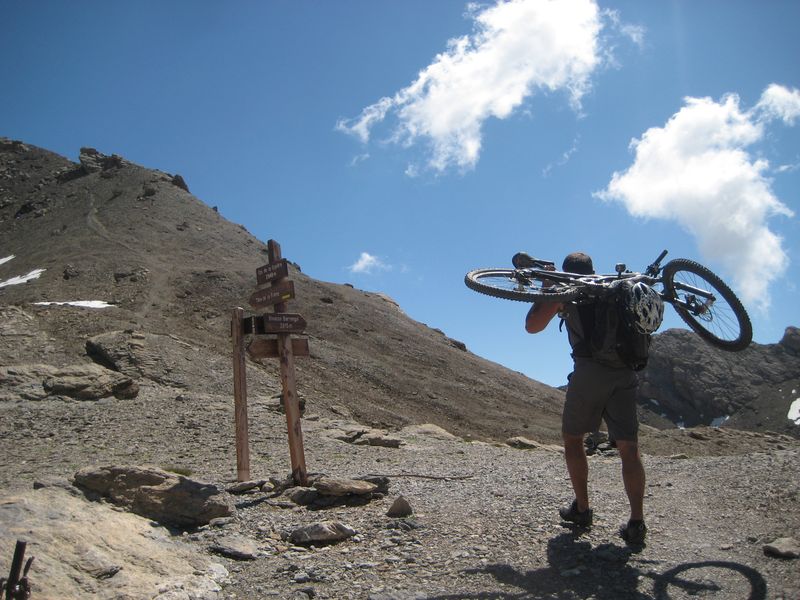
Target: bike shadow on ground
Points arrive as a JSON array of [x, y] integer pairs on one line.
[[576, 569]]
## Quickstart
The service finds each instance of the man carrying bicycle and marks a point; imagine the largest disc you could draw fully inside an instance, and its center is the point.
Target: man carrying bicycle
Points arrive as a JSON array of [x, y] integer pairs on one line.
[[601, 387]]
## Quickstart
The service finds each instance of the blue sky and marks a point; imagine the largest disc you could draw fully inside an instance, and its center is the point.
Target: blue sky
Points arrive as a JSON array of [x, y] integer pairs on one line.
[[409, 142]]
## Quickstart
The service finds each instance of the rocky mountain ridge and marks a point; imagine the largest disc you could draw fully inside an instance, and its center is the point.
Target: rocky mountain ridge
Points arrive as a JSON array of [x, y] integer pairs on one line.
[[172, 268], [688, 382]]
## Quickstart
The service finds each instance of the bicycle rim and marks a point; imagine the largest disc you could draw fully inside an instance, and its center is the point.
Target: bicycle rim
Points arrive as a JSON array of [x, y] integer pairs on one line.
[[721, 320], [504, 283]]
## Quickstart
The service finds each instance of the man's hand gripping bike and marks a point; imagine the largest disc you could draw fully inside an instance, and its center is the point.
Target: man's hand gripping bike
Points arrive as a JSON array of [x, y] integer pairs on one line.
[[701, 299]]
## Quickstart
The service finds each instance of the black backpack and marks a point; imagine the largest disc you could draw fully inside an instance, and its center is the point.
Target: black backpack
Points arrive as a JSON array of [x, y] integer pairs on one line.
[[613, 336]]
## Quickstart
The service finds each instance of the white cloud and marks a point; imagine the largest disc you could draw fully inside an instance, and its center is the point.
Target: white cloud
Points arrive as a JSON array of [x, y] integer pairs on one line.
[[696, 170], [518, 48], [778, 102], [368, 264]]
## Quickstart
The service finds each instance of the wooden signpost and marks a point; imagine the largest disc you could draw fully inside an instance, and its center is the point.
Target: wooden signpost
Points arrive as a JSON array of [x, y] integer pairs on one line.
[[280, 324]]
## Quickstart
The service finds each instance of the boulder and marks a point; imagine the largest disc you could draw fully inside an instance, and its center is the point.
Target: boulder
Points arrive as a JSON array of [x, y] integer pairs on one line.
[[236, 547], [524, 443], [158, 495], [325, 532], [88, 549], [90, 382], [428, 430], [785, 547], [791, 340], [335, 486], [80, 382], [400, 508]]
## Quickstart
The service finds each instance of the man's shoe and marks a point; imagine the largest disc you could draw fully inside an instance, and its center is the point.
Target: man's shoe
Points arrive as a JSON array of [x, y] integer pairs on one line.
[[522, 260], [573, 515], [633, 533]]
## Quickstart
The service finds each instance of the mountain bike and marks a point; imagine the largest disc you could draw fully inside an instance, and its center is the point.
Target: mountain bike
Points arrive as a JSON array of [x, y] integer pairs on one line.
[[704, 302]]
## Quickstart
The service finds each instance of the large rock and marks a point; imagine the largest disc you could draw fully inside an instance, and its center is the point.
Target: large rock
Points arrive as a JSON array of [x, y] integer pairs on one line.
[[164, 497], [80, 382], [791, 340], [85, 549], [325, 532], [336, 486]]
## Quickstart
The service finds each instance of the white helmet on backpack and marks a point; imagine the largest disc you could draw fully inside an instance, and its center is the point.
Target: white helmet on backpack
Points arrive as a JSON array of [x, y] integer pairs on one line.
[[644, 308]]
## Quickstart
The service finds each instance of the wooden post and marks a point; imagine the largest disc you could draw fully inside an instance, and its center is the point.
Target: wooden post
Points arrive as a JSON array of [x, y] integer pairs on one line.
[[291, 404], [240, 397]]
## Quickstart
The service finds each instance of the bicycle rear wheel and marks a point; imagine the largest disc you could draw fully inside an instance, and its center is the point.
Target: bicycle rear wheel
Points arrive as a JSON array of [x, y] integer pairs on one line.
[[509, 285], [707, 305]]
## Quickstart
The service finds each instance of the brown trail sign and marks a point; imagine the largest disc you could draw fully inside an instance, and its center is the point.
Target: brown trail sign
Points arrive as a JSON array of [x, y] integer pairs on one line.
[[280, 291], [272, 271], [284, 347], [274, 323]]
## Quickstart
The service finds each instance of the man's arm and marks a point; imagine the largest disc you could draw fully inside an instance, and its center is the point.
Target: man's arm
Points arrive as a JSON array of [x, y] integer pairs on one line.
[[540, 314]]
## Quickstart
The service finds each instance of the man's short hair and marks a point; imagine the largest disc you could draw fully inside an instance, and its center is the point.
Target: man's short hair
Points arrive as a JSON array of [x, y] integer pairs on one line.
[[578, 262]]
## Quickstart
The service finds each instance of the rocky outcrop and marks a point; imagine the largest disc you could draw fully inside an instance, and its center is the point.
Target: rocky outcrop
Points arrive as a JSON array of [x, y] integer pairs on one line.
[[690, 382], [84, 549], [164, 497], [93, 161], [77, 382], [791, 340]]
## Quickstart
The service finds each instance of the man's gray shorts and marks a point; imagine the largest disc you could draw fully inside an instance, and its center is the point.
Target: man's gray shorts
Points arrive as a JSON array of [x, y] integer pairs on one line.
[[597, 392]]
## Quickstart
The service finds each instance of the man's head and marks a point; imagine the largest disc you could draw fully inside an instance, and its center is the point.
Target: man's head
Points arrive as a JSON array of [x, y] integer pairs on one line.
[[578, 262]]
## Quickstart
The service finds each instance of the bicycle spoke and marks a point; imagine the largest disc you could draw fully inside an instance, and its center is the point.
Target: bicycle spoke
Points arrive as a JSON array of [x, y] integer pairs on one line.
[[719, 317]]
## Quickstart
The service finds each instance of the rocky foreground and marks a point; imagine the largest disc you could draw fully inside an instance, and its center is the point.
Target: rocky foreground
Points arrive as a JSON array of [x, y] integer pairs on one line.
[[480, 520]]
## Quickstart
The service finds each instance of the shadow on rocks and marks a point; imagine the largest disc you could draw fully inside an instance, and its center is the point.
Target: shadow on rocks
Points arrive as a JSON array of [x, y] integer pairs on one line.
[[602, 572], [578, 570]]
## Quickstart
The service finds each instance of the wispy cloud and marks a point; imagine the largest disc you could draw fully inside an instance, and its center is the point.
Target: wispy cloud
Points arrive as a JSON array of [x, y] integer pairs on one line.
[[517, 48], [563, 160], [368, 264], [697, 171]]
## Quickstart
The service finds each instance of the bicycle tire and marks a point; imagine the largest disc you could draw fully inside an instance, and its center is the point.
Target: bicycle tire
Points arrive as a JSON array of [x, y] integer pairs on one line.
[[755, 580], [501, 283], [724, 325]]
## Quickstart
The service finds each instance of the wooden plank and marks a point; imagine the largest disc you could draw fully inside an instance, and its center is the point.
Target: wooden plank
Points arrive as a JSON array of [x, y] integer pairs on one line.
[[279, 293], [290, 402], [272, 271], [291, 405], [240, 398], [268, 347]]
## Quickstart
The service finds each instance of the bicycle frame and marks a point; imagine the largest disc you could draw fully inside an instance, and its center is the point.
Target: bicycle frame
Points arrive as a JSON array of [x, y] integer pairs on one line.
[[602, 284]]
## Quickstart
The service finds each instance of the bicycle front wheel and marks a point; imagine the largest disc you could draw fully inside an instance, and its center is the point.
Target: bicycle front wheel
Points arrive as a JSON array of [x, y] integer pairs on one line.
[[707, 305], [510, 285]]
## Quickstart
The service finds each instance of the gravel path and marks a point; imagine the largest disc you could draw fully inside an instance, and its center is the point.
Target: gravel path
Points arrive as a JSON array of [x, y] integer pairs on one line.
[[492, 531], [485, 519]]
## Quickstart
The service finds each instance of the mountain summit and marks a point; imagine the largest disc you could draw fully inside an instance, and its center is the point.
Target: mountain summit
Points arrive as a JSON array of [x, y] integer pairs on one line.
[[173, 268]]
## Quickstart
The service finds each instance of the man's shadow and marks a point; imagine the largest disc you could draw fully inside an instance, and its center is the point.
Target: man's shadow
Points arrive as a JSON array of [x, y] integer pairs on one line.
[[602, 572], [576, 569]]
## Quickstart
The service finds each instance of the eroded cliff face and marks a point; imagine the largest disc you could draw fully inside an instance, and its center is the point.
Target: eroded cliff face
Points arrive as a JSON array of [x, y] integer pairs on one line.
[[688, 381]]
